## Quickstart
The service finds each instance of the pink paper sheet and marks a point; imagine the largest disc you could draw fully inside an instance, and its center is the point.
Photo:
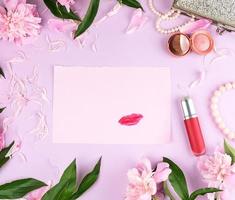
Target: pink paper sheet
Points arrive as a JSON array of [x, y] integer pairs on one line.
[[89, 102]]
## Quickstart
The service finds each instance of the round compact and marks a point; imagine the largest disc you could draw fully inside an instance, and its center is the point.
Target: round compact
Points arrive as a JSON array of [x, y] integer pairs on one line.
[[179, 44], [202, 42]]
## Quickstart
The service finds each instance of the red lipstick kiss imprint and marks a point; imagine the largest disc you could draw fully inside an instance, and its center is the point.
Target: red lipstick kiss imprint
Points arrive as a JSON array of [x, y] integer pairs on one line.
[[130, 120]]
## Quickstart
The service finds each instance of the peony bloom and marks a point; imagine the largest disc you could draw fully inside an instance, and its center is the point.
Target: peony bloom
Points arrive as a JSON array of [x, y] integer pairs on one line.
[[143, 182], [18, 21], [66, 3], [217, 167]]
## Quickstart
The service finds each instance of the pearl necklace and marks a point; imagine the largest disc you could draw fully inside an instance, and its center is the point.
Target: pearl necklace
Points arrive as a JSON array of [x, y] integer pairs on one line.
[[215, 111], [170, 15]]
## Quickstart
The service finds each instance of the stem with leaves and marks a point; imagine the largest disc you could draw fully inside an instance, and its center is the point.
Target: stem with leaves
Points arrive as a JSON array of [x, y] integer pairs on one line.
[[67, 188], [179, 184], [60, 11], [19, 188]]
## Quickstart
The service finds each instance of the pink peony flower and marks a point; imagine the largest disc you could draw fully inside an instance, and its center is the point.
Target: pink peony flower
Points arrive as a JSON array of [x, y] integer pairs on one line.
[[66, 3], [18, 21], [217, 167], [143, 182]]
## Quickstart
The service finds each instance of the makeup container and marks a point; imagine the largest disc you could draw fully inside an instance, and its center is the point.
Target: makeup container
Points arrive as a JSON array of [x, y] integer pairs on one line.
[[200, 42], [192, 126]]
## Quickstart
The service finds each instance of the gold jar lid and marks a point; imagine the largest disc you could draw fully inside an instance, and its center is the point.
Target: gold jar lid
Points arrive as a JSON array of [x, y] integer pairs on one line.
[[179, 44]]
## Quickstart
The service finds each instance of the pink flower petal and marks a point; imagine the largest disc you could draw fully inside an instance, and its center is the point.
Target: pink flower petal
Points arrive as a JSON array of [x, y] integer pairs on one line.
[[2, 140], [202, 77], [38, 194], [12, 4], [162, 173], [66, 3], [111, 13], [2, 10], [228, 188], [61, 25], [194, 26], [138, 19], [144, 165]]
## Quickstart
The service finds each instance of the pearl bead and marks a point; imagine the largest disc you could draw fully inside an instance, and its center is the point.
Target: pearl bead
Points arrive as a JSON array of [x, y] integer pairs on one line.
[[228, 86], [218, 119], [226, 131], [231, 136], [215, 113], [233, 84], [217, 93], [222, 125], [170, 15], [214, 106], [222, 88], [214, 99]]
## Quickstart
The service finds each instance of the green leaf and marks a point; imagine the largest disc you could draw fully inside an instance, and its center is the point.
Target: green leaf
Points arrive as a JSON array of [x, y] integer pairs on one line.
[[3, 153], [203, 191], [89, 17], [2, 73], [131, 3], [19, 188], [2, 109], [177, 180], [88, 180], [229, 150], [60, 11], [66, 186]]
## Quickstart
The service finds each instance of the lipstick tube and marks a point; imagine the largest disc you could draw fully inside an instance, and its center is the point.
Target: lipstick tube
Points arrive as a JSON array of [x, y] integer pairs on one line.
[[192, 126]]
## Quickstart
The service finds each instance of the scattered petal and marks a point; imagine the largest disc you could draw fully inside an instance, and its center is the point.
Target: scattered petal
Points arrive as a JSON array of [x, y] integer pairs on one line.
[[62, 25], [93, 46], [82, 39], [197, 82], [41, 129], [55, 46], [138, 19], [194, 26], [111, 13]]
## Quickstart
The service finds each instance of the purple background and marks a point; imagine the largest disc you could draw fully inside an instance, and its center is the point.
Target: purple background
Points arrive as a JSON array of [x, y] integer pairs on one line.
[[144, 48]]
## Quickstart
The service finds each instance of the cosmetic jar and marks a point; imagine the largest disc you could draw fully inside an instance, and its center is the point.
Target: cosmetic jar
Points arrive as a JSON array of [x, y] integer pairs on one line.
[[201, 42]]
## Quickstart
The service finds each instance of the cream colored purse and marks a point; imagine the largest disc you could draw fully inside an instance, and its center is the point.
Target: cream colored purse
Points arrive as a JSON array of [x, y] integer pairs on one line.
[[221, 12]]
